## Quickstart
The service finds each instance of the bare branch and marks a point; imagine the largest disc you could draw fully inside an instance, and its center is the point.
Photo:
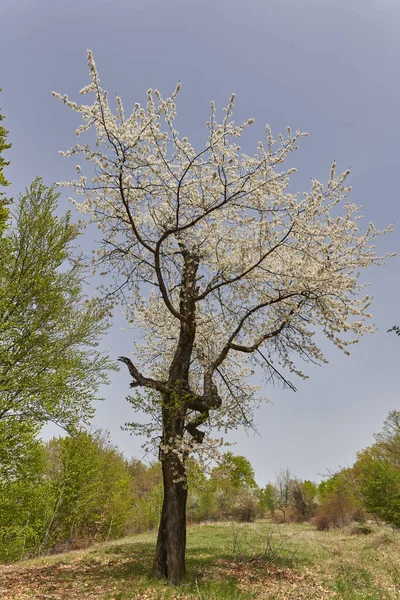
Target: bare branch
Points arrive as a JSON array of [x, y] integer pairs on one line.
[[140, 380]]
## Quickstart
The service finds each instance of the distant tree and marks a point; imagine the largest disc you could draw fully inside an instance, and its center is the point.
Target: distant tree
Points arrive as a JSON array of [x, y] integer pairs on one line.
[[340, 500], [235, 489], [310, 490], [387, 442], [283, 486], [377, 470], [268, 497], [303, 496], [220, 266], [146, 494], [294, 498], [380, 485], [237, 469]]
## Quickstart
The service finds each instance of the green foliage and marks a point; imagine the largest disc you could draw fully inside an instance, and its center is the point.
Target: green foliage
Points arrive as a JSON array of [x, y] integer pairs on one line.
[[289, 499], [372, 484], [381, 489], [310, 490], [268, 499], [66, 493], [237, 469], [146, 497], [387, 442], [230, 493], [91, 488], [378, 471], [49, 366], [340, 501], [25, 502], [3, 181]]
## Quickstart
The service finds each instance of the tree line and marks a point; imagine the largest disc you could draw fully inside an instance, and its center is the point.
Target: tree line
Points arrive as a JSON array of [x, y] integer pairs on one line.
[[73, 491]]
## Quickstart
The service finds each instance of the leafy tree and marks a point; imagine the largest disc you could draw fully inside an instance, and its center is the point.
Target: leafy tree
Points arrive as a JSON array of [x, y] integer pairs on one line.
[[202, 494], [3, 181], [310, 490], [50, 369], [377, 470], [220, 266], [340, 500], [268, 497], [237, 469], [236, 490], [387, 444], [381, 490], [91, 490], [26, 498]]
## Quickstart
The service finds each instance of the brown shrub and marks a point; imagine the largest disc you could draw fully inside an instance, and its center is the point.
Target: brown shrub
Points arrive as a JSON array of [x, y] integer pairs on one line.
[[337, 510]]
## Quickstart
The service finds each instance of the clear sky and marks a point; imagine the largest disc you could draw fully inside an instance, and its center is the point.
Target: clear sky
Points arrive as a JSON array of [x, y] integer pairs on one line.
[[328, 67]]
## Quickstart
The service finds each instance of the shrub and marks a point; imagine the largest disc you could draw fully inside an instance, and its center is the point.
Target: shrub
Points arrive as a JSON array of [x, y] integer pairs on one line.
[[246, 508]]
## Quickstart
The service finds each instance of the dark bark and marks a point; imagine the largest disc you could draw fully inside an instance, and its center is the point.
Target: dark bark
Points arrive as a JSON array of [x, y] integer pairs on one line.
[[169, 561]]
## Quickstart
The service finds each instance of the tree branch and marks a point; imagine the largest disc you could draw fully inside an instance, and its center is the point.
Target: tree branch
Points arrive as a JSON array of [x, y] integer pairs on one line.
[[140, 380]]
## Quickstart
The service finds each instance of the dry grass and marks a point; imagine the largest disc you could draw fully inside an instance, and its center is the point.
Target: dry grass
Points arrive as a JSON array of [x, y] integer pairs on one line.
[[224, 561]]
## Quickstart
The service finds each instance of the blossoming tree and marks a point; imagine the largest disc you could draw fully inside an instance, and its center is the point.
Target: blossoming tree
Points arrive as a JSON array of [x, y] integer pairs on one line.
[[219, 266]]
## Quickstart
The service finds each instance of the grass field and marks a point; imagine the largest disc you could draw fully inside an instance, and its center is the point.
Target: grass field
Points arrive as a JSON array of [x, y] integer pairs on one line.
[[224, 561]]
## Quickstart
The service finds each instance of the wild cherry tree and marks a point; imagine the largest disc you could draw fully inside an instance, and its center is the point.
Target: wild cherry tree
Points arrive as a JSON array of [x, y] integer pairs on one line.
[[218, 266]]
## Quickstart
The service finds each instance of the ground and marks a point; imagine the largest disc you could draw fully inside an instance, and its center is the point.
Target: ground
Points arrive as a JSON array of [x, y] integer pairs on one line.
[[225, 561]]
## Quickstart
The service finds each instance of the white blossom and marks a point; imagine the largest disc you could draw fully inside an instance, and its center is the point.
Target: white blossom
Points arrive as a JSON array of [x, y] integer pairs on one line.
[[271, 266]]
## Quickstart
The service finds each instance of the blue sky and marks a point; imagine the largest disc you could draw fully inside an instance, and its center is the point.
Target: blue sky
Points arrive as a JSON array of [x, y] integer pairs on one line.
[[328, 67]]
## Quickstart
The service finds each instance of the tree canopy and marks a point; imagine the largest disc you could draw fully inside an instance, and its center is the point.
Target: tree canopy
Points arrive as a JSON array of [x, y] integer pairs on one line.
[[50, 369]]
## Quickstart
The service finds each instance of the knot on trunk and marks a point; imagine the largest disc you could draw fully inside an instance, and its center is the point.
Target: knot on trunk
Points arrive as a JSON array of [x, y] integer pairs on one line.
[[210, 400]]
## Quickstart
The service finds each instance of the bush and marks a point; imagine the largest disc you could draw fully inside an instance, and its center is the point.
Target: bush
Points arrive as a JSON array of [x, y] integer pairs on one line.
[[246, 509], [322, 522], [337, 510]]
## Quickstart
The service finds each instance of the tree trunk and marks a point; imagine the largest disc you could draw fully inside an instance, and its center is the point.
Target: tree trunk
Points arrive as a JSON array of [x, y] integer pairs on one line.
[[169, 561]]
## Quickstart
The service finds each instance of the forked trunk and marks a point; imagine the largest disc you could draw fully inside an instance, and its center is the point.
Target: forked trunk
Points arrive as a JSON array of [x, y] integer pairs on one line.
[[169, 561]]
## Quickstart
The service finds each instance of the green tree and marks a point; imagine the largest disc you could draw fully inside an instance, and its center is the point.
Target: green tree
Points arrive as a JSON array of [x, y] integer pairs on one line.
[[381, 490], [387, 443], [236, 491], [50, 369], [3, 181], [378, 471], [26, 499], [91, 490], [340, 500], [268, 498], [237, 469], [147, 494]]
